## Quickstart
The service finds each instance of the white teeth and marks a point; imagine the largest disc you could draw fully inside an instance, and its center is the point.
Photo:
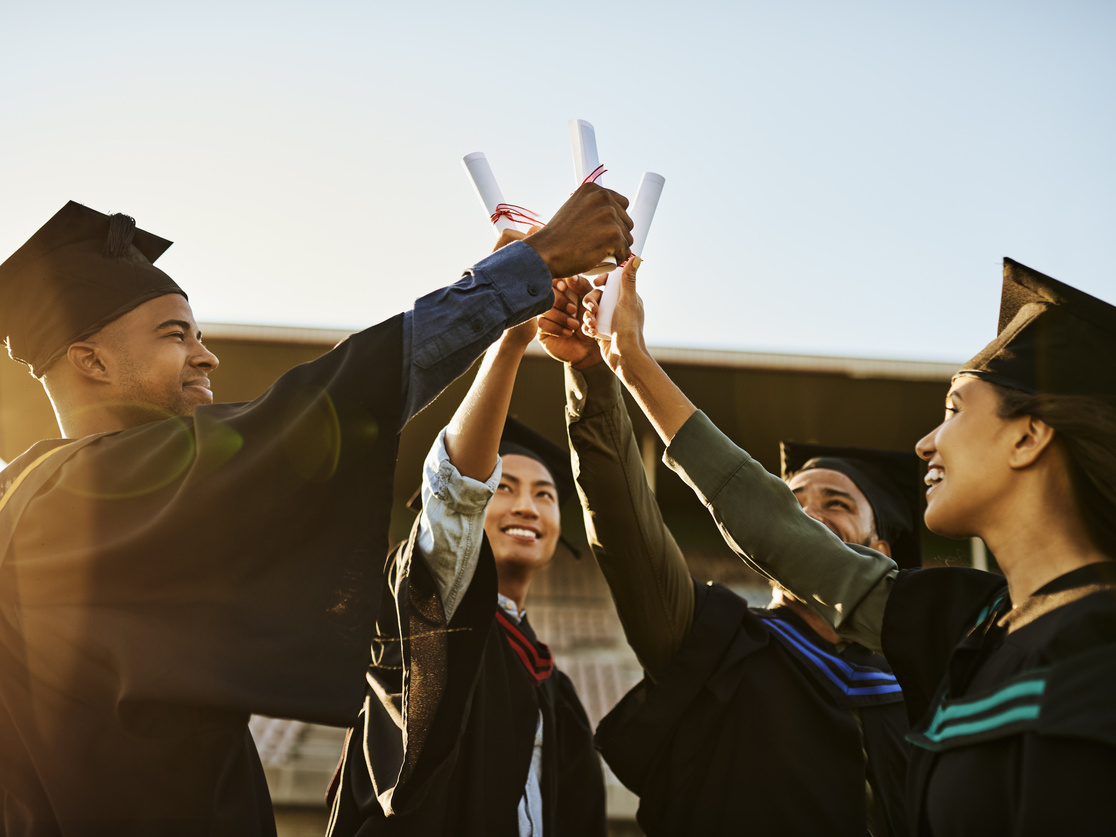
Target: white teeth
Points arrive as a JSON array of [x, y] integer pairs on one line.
[[520, 533], [934, 476]]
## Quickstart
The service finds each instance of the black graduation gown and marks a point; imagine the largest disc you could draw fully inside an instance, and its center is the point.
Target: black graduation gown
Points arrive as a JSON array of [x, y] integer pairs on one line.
[[1014, 711], [159, 584], [458, 764], [751, 728]]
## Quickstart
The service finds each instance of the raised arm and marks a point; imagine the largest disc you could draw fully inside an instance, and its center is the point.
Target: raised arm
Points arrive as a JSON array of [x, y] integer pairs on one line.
[[646, 572], [757, 514], [462, 469]]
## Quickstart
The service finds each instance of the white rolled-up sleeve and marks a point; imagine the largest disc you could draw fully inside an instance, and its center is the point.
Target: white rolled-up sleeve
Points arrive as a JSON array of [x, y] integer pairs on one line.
[[452, 522]]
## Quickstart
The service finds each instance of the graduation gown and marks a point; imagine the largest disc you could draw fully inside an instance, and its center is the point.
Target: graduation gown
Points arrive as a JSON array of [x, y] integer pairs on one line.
[[753, 727], [159, 584], [445, 738], [1014, 709]]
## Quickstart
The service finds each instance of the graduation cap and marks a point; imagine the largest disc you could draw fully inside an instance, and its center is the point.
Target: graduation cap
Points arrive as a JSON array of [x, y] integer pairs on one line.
[[518, 438], [1052, 338], [890, 480], [78, 273]]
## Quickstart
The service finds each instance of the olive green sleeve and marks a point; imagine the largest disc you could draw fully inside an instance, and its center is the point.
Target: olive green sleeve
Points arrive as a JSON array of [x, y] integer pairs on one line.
[[760, 519], [646, 572]]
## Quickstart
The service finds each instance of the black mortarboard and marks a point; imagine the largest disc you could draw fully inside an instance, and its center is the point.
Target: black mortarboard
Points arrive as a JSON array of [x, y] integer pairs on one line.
[[78, 273], [1052, 338], [519, 438], [891, 481]]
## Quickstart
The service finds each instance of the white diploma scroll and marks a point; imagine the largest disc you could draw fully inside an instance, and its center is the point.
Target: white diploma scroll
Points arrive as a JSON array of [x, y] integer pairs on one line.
[[642, 211], [488, 190], [583, 141]]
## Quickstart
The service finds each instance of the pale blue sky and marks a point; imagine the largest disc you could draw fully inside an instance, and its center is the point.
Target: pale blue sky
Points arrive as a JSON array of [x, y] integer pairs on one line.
[[842, 178]]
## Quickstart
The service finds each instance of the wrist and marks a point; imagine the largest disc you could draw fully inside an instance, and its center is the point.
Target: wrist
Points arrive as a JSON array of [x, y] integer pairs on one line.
[[636, 368], [514, 347], [507, 349], [540, 243], [588, 362]]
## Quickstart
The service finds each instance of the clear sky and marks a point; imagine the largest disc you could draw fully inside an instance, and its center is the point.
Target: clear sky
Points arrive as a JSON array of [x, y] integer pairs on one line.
[[841, 177]]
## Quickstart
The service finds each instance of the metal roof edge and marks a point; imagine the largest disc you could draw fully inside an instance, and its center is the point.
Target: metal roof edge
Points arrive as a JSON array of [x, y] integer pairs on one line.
[[853, 367], [275, 334]]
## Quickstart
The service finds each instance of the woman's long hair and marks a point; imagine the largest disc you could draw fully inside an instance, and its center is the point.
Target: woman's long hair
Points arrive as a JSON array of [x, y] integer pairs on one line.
[[1085, 426]]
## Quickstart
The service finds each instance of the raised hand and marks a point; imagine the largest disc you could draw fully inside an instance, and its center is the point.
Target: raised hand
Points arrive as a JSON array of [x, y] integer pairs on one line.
[[587, 228], [626, 338], [562, 341]]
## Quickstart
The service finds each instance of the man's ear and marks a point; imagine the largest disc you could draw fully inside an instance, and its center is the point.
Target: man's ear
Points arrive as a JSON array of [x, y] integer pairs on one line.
[[89, 361], [882, 546], [1032, 437]]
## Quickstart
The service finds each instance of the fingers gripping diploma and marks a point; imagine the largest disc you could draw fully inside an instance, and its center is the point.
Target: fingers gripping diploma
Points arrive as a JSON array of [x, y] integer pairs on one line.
[[563, 341], [625, 351], [589, 226], [626, 337]]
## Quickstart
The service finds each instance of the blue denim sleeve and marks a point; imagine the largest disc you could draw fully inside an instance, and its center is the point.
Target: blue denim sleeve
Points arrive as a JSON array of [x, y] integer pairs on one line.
[[449, 328]]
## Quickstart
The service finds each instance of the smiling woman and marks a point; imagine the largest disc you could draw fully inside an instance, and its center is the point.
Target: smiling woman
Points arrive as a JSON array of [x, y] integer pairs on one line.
[[1025, 459]]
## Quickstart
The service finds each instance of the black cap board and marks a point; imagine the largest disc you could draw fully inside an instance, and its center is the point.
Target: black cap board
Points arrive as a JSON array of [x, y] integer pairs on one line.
[[891, 481], [1052, 338], [80, 271], [521, 439]]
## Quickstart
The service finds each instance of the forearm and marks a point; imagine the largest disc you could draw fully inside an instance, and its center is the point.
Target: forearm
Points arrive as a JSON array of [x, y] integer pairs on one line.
[[462, 470], [638, 556], [762, 522], [448, 329], [664, 404], [473, 434]]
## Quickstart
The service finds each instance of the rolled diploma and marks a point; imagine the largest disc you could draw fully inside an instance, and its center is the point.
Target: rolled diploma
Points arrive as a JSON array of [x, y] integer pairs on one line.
[[476, 164], [583, 140], [642, 212]]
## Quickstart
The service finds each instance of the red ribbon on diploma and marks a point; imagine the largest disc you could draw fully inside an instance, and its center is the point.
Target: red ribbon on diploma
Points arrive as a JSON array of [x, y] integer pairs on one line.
[[594, 175], [517, 214]]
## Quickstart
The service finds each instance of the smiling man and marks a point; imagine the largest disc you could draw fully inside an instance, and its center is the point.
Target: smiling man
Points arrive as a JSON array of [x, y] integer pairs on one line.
[[469, 728], [146, 365], [864, 496], [173, 565], [522, 522]]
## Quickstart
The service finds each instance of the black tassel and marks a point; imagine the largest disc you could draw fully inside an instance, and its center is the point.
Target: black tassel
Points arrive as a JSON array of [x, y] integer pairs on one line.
[[122, 228]]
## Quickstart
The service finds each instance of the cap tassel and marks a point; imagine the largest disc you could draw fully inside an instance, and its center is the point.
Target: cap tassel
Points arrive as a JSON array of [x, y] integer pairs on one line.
[[122, 228]]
